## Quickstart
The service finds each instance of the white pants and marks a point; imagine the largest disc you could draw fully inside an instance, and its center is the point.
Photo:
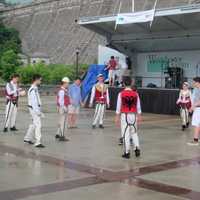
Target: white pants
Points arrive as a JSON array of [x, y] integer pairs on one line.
[[184, 113], [111, 75], [11, 114], [99, 114], [129, 130], [62, 122], [34, 131]]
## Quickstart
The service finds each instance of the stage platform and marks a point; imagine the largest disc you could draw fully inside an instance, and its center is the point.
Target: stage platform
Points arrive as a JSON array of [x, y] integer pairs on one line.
[[153, 100]]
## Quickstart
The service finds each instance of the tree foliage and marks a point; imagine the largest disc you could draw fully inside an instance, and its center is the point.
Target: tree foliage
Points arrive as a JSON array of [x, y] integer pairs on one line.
[[51, 74], [10, 46]]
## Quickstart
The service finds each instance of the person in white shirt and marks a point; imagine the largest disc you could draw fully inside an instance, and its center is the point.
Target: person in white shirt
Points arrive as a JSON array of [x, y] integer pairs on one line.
[[121, 69], [63, 101], [34, 104], [12, 95], [100, 96]]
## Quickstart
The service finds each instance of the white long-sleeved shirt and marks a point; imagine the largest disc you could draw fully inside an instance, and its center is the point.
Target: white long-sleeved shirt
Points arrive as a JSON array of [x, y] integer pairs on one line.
[[12, 89], [34, 99], [92, 97], [119, 104]]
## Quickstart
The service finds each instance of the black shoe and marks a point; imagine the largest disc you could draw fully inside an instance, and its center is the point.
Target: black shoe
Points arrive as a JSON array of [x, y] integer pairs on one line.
[[121, 141], [93, 126], [187, 125], [57, 136], [63, 139], [126, 155], [13, 129], [137, 152], [183, 127], [5, 130], [40, 146], [28, 142], [101, 126]]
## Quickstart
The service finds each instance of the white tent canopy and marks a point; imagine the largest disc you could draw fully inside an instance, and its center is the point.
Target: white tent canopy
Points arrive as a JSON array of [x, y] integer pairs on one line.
[[173, 29]]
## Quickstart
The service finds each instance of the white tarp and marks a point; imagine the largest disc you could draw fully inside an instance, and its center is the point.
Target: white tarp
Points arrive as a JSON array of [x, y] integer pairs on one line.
[[138, 17]]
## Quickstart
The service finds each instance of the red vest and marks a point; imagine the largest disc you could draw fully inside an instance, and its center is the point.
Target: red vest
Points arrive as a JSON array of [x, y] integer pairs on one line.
[[100, 96], [66, 98], [129, 100]]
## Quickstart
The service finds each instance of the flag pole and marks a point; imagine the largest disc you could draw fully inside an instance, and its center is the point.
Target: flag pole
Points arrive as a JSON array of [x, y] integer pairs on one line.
[[154, 8], [133, 5], [120, 5]]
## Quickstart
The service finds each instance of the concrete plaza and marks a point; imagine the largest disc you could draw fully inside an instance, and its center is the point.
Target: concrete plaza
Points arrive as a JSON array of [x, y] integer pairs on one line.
[[90, 166]]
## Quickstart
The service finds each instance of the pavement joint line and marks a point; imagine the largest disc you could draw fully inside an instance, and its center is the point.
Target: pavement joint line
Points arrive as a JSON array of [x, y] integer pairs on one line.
[[103, 175]]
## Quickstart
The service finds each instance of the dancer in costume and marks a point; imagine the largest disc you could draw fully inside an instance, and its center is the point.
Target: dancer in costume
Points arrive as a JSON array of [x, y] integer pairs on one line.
[[185, 103], [12, 93], [100, 96], [128, 111], [63, 102], [34, 105]]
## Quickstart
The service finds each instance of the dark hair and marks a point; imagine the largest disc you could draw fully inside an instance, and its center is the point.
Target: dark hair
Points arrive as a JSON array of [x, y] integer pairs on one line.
[[15, 76], [127, 81], [112, 57], [36, 77], [196, 79], [78, 78]]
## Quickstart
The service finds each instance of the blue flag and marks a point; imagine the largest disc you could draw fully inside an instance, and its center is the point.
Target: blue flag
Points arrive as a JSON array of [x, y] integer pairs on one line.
[[91, 78]]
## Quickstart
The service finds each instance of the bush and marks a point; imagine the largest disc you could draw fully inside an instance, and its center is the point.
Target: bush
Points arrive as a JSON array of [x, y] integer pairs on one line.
[[9, 64], [26, 73], [51, 74]]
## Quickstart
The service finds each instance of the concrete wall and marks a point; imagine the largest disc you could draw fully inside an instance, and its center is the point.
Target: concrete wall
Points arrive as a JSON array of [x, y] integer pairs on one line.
[[49, 26]]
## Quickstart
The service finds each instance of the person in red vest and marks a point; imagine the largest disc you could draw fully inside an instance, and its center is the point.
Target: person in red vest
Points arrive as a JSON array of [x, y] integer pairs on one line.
[[63, 102], [129, 109], [100, 96], [112, 64], [12, 93]]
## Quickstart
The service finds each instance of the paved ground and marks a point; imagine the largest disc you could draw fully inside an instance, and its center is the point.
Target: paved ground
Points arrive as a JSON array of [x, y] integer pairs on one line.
[[90, 165]]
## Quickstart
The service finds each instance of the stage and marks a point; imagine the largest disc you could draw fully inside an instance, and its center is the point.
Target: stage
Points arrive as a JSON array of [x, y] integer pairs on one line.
[[153, 100]]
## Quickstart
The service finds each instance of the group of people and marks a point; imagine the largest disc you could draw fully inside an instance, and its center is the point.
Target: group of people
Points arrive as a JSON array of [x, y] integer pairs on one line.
[[69, 101]]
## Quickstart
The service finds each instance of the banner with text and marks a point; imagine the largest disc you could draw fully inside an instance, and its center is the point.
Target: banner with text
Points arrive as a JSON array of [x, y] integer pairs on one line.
[[138, 17]]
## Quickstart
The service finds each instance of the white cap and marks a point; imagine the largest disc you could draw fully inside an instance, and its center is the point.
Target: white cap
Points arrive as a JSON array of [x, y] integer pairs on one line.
[[99, 75], [186, 84], [65, 80]]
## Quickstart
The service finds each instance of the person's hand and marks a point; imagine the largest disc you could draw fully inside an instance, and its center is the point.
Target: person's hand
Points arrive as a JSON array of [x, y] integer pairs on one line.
[[117, 120], [139, 118]]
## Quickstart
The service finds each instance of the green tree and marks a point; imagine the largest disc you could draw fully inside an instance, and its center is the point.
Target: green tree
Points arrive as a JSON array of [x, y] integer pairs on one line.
[[9, 63]]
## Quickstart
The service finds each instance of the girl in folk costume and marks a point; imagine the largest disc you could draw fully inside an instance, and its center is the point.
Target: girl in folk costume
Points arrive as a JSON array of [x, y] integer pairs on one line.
[[63, 102], [184, 101], [129, 110], [100, 96]]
